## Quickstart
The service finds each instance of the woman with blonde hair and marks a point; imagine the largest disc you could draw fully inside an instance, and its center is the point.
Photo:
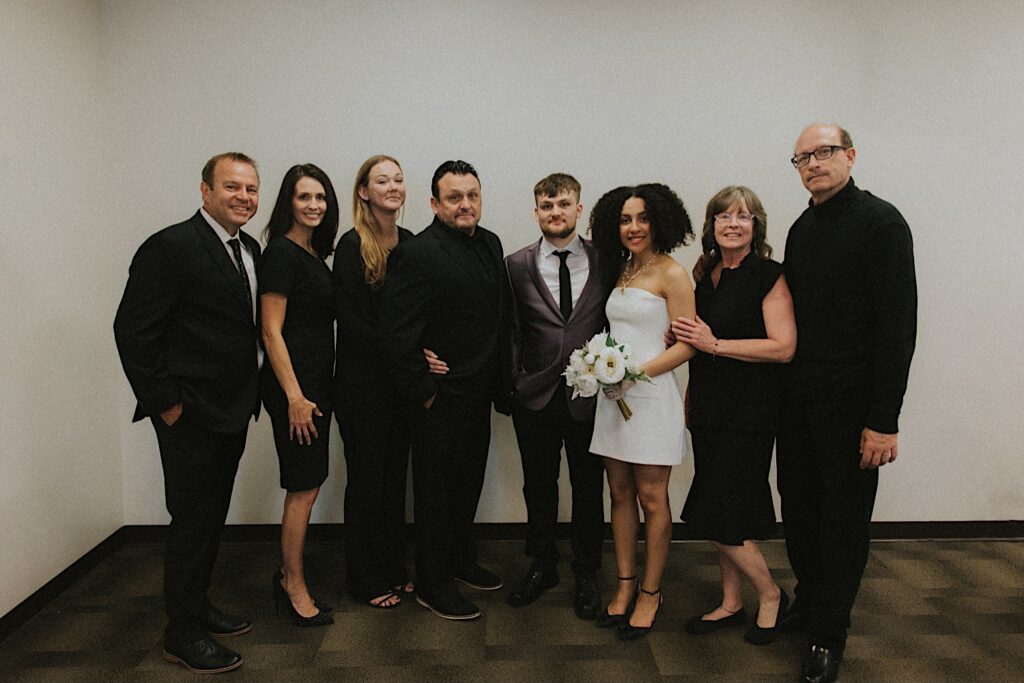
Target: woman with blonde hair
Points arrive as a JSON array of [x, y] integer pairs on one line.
[[373, 425]]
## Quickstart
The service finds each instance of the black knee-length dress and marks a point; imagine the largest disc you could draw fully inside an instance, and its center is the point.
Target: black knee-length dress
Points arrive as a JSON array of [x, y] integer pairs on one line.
[[733, 411], [308, 331]]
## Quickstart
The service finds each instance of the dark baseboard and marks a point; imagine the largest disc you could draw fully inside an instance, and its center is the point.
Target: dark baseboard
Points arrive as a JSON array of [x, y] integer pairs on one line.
[[328, 533], [60, 583]]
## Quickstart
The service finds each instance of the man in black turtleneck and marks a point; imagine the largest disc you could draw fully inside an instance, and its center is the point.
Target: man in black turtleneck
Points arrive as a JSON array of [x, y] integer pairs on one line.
[[447, 291], [850, 267]]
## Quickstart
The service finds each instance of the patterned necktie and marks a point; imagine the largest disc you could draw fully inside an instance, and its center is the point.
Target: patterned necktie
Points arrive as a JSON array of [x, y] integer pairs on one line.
[[564, 284], [236, 247]]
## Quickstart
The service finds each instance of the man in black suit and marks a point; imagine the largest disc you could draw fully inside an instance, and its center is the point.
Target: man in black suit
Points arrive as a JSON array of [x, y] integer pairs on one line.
[[559, 292], [187, 337], [447, 291]]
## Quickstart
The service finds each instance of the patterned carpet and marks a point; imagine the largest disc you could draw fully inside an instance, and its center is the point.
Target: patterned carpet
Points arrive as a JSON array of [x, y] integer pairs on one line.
[[928, 611]]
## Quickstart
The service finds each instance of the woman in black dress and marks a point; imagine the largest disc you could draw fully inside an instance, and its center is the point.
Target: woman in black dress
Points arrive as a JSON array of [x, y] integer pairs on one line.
[[743, 330], [297, 313], [372, 422]]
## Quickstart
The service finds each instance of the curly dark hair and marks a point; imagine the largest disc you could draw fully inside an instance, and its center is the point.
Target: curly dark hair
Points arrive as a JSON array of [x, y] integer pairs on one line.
[[281, 217], [670, 224]]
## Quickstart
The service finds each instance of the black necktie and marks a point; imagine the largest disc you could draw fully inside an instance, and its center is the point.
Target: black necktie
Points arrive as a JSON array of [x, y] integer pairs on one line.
[[236, 247], [564, 284]]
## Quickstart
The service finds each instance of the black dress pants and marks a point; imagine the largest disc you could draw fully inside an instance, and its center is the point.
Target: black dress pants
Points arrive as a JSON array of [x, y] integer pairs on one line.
[[376, 435], [541, 435], [827, 501], [449, 456], [199, 473]]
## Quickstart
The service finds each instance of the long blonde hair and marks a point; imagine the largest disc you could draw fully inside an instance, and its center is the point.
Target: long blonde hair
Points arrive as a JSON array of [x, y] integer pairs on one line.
[[371, 249]]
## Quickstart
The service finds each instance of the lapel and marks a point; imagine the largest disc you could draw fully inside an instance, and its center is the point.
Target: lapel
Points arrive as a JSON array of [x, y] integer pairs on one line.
[[538, 282], [216, 251]]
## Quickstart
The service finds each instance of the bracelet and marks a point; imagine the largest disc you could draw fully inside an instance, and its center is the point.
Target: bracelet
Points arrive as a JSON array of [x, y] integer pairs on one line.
[[714, 351]]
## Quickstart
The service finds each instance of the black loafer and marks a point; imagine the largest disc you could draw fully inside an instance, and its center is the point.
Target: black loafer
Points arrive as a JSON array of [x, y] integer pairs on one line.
[[699, 626], [204, 656], [757, 635], [448, 604], [540, 578], [475, 576], [821, 665], [587, 601], [225, 625]]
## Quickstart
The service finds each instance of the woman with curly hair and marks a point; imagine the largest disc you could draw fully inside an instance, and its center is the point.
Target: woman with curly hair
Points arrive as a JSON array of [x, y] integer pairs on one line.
[[297, 319], [744, 329], [638, 227], [372, 422]]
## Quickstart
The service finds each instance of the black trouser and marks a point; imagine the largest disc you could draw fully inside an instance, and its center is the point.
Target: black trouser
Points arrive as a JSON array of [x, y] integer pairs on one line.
[[449, 456], [376, 436], [541, 435], [827, 502], [199, 474]]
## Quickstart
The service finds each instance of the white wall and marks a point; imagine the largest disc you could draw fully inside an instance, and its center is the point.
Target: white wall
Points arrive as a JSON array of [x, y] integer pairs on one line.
[[697, 95], [60, 413]]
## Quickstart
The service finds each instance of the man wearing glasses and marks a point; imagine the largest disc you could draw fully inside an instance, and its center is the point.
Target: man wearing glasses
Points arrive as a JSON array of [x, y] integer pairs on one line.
[[850, 266]]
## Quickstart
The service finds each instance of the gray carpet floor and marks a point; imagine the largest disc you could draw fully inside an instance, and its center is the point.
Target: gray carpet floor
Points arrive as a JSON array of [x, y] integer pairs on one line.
[[928, 611]]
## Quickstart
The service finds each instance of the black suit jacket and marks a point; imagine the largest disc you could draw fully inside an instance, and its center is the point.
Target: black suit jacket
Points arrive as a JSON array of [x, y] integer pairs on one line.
[[432, 298], [184, 329]]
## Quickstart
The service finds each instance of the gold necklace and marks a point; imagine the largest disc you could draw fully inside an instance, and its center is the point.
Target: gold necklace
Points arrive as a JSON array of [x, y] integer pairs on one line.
[[627, 278]]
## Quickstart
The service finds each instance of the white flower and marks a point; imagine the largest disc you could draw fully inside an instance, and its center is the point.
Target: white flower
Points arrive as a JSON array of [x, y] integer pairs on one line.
[[590, 358], [577, 362], [610, 367], [586, 386], [596, 344]]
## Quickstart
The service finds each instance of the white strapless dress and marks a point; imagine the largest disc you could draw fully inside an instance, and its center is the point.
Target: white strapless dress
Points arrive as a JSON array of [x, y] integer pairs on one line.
[[655, 434]]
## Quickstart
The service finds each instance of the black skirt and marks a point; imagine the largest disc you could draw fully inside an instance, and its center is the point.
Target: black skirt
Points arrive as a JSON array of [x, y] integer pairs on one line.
[[303, 466], [730, 500]]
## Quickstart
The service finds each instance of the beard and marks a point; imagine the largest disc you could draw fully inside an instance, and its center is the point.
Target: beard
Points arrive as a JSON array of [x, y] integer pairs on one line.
[[558, 234]]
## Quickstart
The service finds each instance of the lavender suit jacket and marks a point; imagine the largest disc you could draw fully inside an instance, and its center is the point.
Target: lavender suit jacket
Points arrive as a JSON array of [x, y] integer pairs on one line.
[[542, 340]]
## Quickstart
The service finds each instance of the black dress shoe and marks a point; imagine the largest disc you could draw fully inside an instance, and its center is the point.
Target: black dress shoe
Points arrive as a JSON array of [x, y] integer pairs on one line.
[[448, 604], [225, 625], [821, 665], [541, 577], [203, 656], [757, 635], [699, 626], [587, 601], [475, 576]]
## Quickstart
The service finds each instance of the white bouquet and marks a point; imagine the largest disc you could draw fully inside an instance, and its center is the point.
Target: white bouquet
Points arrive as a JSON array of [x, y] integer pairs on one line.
[[602, 362]]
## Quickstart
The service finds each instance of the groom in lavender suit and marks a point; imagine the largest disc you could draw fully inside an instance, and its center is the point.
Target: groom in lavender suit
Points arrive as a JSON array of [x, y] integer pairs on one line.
[[559, 289]]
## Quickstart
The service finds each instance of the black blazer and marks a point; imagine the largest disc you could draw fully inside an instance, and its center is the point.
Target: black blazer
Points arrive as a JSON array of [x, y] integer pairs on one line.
[[432, 298], [185, 331]]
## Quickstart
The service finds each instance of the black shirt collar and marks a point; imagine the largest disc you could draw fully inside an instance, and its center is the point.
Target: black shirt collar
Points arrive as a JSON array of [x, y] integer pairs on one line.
[[837, 202]]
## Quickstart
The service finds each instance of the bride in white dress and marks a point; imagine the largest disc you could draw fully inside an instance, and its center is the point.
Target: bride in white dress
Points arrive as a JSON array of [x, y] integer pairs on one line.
[[640, 226]]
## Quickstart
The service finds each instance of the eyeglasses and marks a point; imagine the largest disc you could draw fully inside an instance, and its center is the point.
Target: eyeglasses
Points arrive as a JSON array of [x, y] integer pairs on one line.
[[822, 153], [740, 217]]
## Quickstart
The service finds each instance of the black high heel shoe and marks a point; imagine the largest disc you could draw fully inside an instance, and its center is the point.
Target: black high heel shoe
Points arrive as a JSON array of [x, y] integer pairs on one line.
[[320, 605], [757, 635], [282, 603], [606, 620], [629, 632]]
